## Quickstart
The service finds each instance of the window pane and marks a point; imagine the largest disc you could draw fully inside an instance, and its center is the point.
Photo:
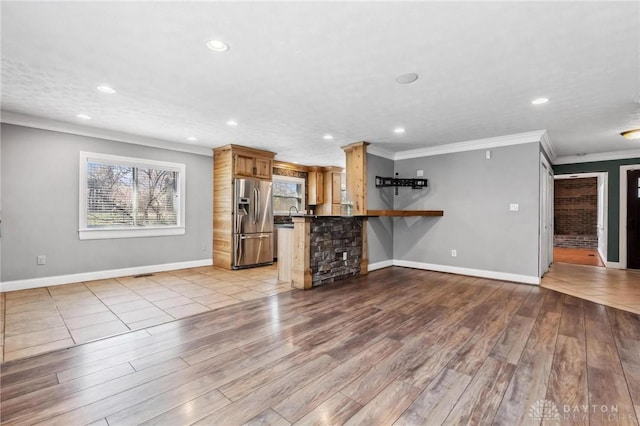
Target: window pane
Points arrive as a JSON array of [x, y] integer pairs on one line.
[[286, 195], [109, 195], [156, 192], [124, 196]]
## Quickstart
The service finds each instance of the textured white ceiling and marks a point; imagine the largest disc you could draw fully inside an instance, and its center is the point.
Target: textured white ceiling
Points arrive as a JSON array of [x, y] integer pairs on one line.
[[296, 71]]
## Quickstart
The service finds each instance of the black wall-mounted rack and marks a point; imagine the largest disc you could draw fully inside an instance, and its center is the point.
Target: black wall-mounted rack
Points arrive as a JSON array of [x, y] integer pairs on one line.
[[415, 183]]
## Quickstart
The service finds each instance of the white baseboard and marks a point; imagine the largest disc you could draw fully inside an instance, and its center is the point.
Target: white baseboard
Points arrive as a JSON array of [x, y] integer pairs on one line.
[[380, 265], [99, 275], [502, 276], [612, 265]]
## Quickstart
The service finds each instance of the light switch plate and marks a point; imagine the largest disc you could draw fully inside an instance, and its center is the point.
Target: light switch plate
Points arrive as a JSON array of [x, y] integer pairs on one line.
[[514, 207]]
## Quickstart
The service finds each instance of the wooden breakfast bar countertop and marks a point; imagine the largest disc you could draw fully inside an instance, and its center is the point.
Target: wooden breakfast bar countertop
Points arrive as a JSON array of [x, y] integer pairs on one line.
[[405, 212]]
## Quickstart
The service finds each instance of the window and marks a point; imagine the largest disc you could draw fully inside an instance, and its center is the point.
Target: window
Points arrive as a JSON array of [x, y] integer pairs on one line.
[[287, 192], [123, 197]]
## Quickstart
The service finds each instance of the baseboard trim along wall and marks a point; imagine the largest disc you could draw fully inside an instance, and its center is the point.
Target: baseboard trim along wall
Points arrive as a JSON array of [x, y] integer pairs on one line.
[[100, 275], [379, 265], [502, 276], [613, 265]]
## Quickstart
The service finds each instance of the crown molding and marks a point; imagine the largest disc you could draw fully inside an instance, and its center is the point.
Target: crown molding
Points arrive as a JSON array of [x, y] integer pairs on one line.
[[600, 156], [380, 152], [25, 120], [507, 140]]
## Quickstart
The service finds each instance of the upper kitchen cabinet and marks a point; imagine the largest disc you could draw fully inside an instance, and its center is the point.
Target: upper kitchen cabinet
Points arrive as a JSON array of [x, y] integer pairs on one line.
[[249, 162], [332, 205], [316, 186]]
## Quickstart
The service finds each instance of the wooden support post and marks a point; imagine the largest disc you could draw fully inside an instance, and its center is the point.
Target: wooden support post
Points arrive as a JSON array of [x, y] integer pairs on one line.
[[356, 171]]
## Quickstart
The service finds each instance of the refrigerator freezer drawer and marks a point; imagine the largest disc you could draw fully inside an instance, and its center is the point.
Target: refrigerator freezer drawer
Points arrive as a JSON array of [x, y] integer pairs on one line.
[[252, 249]]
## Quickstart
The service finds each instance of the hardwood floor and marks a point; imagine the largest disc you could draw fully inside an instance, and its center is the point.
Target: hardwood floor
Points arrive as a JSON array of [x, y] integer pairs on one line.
[[577, 256], [399, 346]]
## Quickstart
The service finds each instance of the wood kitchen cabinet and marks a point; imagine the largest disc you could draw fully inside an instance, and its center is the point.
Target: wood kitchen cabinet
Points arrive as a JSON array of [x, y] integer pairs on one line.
[[316, 187], [252, 166], [332, 201], [230, 162]]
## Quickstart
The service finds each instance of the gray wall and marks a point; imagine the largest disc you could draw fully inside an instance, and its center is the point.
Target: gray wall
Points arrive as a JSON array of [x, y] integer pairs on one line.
[[40, 207], [379, 229], [475, 194]]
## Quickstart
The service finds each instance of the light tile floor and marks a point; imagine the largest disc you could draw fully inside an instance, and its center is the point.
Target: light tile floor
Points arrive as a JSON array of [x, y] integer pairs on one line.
[[611, 287], [43, 319]]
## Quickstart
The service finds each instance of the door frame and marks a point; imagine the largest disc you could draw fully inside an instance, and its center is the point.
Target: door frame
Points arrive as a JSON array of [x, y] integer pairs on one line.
[[545, 237], [623, 213], [604, 176]]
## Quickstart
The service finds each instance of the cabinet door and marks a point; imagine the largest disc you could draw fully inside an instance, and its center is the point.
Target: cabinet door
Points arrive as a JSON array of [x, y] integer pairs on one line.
[[316, 188], [244, 166], [336, 188], [263, 168]]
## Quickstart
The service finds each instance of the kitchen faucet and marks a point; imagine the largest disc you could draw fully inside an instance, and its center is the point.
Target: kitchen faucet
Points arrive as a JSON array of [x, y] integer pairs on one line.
[[293, 207]]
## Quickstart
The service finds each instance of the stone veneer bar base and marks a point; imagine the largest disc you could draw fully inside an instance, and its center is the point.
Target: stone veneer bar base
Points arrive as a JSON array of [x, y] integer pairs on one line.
[[330, 238], [319, 246]]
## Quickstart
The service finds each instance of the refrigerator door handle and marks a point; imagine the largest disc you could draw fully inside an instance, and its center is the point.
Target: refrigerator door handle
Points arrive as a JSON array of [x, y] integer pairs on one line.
[[253, 237], [256, 205], [238, 252]]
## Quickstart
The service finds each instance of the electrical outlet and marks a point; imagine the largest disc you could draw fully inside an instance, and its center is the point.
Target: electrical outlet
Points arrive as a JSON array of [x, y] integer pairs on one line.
[[420, 173], [514, 207], [42, 260], [454, 253], [344, 255]]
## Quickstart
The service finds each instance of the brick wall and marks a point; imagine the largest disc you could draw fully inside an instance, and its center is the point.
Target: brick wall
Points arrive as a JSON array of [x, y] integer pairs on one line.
[[576, 213], [330, 237]]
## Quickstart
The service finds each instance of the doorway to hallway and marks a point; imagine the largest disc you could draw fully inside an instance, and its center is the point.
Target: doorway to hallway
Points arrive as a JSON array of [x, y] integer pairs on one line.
[[580, 219]]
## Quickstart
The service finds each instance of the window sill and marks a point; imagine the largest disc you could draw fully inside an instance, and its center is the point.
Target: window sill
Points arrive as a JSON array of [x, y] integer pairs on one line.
[[101, 234]]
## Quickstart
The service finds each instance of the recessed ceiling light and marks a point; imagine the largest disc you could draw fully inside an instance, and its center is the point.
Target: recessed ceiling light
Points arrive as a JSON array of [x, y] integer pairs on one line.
[[192, 139], [407, 78], [83, 116], [106, 89], [327, 137], [398, 130], [217, 45], [295, 162], [540, 101], [232, 123], [631, 134]]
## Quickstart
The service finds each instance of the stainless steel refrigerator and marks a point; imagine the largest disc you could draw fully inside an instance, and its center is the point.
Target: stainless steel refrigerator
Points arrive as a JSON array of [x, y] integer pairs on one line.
[[252, 223]]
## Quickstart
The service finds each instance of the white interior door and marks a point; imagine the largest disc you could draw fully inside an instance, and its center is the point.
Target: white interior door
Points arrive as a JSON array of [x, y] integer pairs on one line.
[[602, 216]]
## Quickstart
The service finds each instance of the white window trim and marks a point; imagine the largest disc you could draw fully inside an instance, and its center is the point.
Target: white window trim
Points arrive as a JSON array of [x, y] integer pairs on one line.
[[298, 180], [85, 233]]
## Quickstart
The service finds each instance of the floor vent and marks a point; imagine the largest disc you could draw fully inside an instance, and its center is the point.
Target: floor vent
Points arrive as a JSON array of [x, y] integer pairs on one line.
[[142, 275]]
